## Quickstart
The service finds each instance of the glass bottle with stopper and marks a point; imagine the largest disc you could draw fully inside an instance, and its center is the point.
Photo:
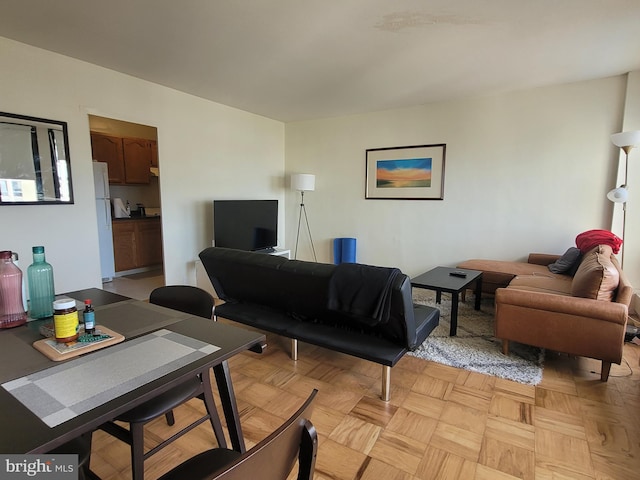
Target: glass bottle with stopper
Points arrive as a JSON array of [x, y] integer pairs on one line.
[[41, 288], [12, 313]]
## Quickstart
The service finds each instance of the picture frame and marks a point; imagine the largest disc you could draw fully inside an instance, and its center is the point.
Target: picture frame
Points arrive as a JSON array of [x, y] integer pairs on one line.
[[405, 173]]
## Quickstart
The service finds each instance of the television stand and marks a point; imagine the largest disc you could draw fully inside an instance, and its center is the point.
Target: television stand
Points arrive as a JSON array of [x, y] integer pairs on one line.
[[274, 251], [266, 250], [280, 253]]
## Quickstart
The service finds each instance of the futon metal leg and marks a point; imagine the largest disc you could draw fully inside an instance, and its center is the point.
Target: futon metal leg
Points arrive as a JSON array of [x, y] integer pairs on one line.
[[294, 349], [386, 383]]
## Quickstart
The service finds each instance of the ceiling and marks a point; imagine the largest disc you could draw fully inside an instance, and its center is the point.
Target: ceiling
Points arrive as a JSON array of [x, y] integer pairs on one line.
[[304, 59]]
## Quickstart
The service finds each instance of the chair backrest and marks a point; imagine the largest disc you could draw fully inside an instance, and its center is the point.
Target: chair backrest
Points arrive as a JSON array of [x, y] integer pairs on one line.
[[271, 459], [185, 298], [275, 456]]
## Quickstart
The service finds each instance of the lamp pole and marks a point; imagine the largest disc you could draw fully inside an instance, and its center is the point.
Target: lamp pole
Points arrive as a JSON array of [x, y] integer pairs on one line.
[[303, 210], [626, 141], [626, 149], [303, 182]]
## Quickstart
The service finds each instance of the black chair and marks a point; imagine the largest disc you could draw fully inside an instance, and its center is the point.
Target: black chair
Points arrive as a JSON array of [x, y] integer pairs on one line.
[[194, 301], [188, 299], [271, 459]]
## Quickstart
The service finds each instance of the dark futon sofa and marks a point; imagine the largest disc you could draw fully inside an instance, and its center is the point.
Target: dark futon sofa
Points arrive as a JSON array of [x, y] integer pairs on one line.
[[361, 310]]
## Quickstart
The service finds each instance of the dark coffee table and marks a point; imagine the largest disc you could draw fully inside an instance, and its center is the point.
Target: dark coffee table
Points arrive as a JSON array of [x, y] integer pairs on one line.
[[441, 280]]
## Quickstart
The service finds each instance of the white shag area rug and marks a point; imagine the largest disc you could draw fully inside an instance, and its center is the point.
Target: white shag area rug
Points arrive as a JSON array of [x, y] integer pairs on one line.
[[474, 347]]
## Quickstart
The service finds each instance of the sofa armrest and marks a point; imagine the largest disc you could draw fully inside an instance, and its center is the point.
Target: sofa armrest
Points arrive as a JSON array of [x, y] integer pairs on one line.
[[542, 258], [573, 325], [577, 306]]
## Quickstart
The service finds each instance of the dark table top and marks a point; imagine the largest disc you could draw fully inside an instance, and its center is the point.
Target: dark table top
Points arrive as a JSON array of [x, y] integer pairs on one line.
[[23, 432], [123, 315], [439, 278]]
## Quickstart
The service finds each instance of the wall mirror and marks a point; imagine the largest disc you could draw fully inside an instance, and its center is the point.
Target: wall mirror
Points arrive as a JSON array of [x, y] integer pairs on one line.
[[34, 161]]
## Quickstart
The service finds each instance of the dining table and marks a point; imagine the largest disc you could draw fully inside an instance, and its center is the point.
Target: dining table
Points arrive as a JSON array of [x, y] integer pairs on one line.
[[45, 403]]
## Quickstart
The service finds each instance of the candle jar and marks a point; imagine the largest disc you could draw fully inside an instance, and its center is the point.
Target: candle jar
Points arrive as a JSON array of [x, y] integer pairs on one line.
[[65, 320]]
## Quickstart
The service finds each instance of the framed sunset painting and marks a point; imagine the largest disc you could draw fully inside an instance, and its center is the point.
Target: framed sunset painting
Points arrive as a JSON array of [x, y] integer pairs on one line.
[[406, 173]]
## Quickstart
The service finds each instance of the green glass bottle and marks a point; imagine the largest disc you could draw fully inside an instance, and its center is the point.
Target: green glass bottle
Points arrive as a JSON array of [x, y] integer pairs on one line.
[[41, 289]]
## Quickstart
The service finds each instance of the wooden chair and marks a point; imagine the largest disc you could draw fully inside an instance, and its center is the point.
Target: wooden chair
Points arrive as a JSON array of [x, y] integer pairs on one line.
[[271, 459], [194, 301]]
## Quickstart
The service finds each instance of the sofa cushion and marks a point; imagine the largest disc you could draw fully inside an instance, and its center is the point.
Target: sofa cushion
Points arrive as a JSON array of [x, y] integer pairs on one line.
[[556, 284], [504, 267], [498, 273], [597, 276], [568, 263]]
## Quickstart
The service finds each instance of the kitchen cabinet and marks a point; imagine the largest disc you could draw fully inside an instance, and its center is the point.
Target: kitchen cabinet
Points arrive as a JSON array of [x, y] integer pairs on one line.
[[137, 160], [129, 159], [154, 153], [124, 245], [137, 243], [108, 149], [149, 241]]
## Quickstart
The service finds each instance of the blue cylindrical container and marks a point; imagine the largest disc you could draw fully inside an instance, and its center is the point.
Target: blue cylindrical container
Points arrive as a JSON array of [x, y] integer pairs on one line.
[[344, 250]]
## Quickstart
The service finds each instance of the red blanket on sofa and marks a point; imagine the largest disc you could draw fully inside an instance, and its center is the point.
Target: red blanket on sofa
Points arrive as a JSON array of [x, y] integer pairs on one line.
[[592, 238]]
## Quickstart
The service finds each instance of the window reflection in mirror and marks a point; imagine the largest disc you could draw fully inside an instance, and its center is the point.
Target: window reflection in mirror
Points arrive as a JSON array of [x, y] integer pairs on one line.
[[34, 161]]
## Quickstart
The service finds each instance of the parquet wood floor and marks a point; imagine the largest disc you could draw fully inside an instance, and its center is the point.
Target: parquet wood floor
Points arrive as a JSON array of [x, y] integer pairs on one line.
[[441, 423]]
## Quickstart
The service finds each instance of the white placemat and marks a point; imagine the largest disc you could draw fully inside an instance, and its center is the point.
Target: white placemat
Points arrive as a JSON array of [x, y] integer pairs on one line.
[[65, 391]]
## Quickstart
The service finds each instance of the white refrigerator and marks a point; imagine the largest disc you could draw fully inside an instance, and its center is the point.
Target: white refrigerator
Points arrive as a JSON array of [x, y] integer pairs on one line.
[[103, 210]]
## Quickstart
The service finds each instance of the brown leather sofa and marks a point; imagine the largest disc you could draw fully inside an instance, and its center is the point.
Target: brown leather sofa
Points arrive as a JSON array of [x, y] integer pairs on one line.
[[583, 315]]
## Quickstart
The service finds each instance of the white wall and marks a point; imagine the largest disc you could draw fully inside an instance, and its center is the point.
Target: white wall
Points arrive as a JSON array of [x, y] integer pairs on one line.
[[524, 172], [206, 151]]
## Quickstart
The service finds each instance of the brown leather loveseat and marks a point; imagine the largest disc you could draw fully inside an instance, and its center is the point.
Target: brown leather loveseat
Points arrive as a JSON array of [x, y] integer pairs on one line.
[[584, 314]]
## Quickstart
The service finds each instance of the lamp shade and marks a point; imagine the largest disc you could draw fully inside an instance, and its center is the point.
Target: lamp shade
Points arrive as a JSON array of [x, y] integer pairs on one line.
[[303, 181], [626, 139], [618, 195]]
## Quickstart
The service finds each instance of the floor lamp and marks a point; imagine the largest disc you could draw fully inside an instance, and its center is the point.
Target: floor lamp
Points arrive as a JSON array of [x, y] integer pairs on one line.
[[626, 141], [304, 182]]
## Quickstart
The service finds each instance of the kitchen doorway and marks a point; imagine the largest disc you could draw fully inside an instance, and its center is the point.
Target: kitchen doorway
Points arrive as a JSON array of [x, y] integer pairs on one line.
[[136, 285], [126, 176]]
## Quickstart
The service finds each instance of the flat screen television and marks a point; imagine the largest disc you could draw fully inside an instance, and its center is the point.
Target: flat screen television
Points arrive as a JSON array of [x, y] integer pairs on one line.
[[245, 224]]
